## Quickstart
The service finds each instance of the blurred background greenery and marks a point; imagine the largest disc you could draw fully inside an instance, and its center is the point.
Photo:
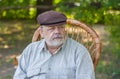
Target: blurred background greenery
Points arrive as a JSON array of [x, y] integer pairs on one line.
[[18, 22]]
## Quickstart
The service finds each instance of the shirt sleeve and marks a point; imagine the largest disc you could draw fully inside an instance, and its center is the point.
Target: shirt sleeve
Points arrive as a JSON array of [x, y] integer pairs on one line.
[[84, 65], [20, 72]]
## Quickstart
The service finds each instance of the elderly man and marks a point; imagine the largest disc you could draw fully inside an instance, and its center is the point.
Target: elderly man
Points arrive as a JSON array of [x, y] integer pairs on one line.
[[56, 56]]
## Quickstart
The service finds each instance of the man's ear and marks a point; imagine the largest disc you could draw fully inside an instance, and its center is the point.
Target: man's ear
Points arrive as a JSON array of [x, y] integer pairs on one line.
[[36, 35], [41, 32]]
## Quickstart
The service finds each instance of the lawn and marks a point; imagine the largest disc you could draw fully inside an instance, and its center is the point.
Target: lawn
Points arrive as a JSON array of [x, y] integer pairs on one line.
[[14, 36]]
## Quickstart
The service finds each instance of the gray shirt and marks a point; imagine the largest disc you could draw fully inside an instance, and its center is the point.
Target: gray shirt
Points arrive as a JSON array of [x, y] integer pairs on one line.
[[71, 61]]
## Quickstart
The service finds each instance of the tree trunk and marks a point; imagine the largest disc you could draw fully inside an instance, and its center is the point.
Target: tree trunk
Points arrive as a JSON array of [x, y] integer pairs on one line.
[[47, 6]]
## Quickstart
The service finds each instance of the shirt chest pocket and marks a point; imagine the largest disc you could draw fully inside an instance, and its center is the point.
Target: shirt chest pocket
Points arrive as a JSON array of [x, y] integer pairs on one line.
[[62, 73]]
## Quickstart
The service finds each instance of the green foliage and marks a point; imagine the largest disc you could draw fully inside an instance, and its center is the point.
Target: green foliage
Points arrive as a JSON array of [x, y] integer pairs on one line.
[[113, 4], [113, 21], [89, 11], [82, 11], [17, 9]]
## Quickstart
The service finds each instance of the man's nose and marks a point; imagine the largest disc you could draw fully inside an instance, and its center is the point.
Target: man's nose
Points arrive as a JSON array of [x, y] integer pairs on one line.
[[57, 30]]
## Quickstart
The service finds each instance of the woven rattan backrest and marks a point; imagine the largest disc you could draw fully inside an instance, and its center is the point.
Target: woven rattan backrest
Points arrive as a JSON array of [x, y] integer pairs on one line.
[[84, 35]]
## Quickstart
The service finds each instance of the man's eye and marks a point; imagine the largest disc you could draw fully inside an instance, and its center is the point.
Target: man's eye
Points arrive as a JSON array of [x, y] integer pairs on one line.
[[51, 29], [62, 27]]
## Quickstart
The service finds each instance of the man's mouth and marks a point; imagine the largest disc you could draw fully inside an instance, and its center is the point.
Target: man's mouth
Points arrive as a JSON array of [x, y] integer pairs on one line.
[[57, 38]]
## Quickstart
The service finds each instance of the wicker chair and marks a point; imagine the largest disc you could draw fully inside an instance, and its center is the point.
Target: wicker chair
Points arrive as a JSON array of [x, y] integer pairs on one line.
[[84, 35]]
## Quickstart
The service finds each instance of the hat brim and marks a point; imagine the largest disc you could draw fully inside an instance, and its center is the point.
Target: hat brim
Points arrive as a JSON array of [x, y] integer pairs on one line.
[[54, 24]]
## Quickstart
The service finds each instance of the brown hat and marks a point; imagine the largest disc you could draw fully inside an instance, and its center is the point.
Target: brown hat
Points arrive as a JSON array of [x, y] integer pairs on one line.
[[50, 18]]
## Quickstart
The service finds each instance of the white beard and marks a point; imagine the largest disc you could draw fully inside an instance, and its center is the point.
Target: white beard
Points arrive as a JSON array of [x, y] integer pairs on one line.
[[55, 42]]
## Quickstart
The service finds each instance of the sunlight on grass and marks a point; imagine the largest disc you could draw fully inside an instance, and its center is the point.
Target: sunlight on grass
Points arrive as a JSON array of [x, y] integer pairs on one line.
[[106, 43], [18, 27], [1, 39], [104, 63], [14, 36], [6, 46], [13, 31], [5, 30]]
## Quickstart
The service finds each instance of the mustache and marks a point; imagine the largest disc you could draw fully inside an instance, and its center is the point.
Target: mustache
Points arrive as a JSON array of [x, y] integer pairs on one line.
[[57, 36]]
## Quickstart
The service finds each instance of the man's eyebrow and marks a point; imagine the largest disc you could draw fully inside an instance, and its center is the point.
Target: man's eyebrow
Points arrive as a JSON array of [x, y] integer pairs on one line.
[[51, 26]]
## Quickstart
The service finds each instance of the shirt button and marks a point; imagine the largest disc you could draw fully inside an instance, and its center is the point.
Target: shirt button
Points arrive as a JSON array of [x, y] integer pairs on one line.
[[49, 68], [40, 69]]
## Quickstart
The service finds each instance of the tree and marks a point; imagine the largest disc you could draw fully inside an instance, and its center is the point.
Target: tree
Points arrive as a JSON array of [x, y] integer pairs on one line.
[[44, 5]]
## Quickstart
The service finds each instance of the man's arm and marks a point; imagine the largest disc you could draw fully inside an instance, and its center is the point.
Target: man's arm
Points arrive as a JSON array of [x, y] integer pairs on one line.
[[20, 72], [84, 65]]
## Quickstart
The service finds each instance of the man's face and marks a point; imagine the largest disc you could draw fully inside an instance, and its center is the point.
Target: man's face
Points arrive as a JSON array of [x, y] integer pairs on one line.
[[54, 35]]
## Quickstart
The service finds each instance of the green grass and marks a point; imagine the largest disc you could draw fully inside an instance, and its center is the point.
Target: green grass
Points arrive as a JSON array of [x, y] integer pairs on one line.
[[14, 36], [13, 31]]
